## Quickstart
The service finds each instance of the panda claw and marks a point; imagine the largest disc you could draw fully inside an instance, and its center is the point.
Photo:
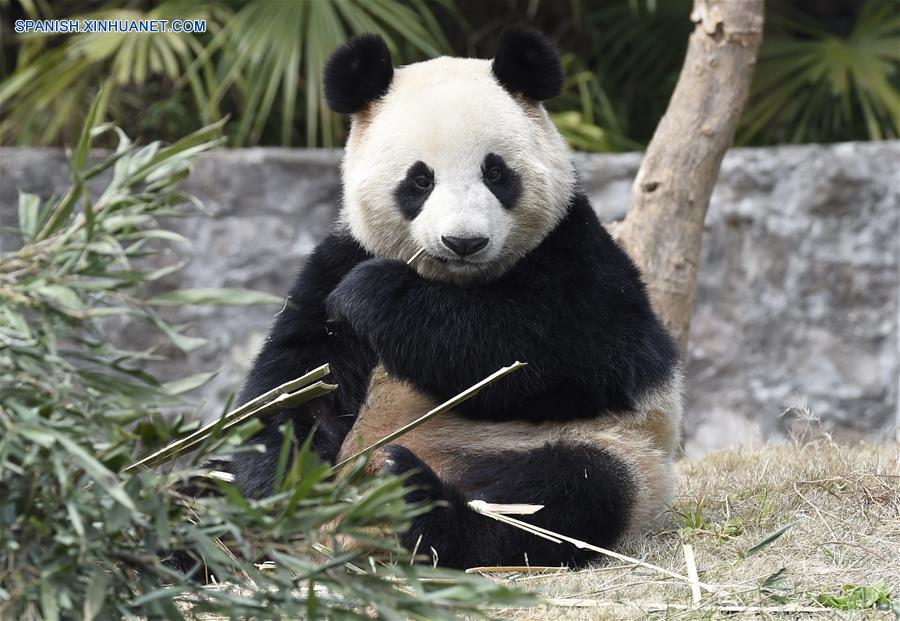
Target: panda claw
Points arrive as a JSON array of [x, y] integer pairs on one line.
[[422, 483]]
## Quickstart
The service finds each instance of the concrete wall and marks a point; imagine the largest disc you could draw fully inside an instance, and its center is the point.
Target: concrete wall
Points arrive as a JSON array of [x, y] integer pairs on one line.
[[797, 300]]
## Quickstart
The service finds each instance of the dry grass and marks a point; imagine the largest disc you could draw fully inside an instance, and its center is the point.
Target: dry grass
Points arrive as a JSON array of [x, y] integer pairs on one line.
[[843, 502]]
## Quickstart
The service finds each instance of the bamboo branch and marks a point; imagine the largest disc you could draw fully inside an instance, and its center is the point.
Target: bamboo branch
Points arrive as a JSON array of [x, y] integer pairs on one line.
[[289, 394]]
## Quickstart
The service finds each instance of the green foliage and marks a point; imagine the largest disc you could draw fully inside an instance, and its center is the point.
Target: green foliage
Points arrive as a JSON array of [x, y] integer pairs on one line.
[[622, 58], [858, 597], [768, 539], [776, 588], [81, 533], [818, 79], [56, 77], [630, 57], [256, 62], [812, 85], [269, 49], [693, 522]]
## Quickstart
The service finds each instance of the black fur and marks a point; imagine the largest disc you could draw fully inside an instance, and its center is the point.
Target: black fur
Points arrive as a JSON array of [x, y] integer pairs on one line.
[[300, 340], [414, 190], [527, 63], [503, 182], [357, 73], [585, 491], [574, 309]]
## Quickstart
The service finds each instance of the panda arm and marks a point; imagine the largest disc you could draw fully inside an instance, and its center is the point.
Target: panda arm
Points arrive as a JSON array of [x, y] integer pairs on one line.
[[444, 338], [299, 341], [300, 338]]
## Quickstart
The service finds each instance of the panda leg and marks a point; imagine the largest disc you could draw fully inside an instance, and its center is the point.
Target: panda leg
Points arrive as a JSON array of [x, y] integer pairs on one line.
[[587, 493]]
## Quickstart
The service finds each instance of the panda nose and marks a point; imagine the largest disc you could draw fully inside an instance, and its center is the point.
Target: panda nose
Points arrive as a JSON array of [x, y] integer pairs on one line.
[[464, 246]]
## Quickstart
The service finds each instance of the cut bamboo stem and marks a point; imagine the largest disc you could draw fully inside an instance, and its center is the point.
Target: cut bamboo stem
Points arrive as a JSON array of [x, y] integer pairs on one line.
[[692, 572], [665, 607], [479, 507], [413, 258]]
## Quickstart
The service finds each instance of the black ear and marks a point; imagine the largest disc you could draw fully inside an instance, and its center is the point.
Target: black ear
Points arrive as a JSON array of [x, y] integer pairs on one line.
[[358, 72], [528, 64]]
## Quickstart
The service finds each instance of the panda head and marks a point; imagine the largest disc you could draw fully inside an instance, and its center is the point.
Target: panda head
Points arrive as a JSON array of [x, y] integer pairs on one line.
[[453, 156]]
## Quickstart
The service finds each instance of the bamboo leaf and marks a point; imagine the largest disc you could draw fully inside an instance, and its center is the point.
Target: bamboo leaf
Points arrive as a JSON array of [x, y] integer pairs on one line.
[[29, 214], [239, 415], [189, 383], [769, 539], [222, 296], [96, 595], [97, 471]]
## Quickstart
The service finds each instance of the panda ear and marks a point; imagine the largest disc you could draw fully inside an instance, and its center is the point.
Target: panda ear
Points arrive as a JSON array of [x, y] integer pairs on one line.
[[357, 73], [527, 63]]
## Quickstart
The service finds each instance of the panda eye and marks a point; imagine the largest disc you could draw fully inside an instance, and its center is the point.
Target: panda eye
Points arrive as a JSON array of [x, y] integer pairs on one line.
[[493, 174], [422, 182]]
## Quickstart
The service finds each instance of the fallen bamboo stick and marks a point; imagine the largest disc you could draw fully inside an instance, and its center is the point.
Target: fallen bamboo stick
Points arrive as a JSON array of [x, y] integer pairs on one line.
[[665, 607], [688, 550], [480, 507]]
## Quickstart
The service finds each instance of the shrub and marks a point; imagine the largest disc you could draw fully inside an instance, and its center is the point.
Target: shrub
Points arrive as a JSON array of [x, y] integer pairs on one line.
[[81, 533]]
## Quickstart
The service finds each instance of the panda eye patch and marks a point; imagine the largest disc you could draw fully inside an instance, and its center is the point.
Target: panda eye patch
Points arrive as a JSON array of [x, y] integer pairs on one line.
[[415, 188], [503, 182]]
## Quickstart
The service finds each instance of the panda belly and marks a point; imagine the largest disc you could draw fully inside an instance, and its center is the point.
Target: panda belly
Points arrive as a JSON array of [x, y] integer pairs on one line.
[[599, 479]]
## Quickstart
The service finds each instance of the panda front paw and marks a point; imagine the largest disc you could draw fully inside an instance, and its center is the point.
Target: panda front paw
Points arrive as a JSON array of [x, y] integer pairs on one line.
[[422, 484], [364, 294]]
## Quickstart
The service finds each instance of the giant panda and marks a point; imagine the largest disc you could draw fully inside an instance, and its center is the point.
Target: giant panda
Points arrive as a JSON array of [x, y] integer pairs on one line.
[[457, 157]]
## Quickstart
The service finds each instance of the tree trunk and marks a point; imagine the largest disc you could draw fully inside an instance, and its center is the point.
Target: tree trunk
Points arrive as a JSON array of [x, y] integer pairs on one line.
[[671, 193]]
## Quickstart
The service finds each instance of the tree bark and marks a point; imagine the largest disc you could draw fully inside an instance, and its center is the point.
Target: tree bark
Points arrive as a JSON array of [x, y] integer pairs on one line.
[[670, 195]]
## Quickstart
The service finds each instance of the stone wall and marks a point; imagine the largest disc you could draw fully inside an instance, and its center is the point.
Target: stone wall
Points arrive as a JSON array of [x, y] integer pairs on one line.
[[797, 300]]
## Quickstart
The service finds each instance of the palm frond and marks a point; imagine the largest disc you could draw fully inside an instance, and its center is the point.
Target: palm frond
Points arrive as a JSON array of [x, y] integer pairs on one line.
[[812, 85], [282, 47], [55, 82]]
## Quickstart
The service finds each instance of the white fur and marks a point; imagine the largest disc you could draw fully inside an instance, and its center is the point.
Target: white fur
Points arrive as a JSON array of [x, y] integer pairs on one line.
[[450, 113]]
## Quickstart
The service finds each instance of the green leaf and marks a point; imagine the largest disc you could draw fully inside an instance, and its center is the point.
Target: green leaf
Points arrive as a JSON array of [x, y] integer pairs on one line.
[[38, 436], [200, 140], [61, 212], [97, 471], [96, 594], [188, 383], [29, 214], [80, 155], [181, 341], [770, 538], [858, 597], [49, 601], [61, 296], [222, 296]]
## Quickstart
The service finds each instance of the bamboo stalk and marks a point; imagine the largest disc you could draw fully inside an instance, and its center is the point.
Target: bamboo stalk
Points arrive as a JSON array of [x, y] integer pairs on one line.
[[444, 407], [518, 569], [480, 507]]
